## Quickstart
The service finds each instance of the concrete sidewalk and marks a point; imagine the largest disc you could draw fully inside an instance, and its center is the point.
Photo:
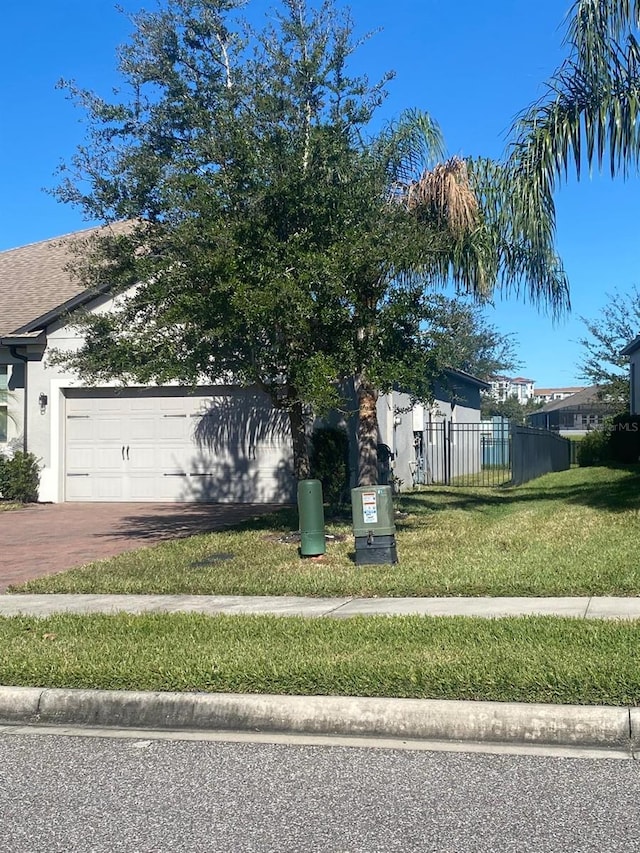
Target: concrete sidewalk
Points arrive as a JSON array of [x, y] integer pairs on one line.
[[614, 730], [337, 608]]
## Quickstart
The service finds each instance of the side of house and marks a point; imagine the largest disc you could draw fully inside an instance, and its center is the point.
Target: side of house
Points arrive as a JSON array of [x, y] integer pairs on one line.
[[414, 434], [632, 350]]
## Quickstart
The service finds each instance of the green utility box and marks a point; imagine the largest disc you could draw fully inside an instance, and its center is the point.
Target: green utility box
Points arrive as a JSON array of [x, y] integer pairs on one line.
[[373, 525], [311, 515]]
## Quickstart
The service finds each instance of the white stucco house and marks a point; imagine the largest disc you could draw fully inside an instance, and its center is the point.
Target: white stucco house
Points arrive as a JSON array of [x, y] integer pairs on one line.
[[433, 443], [218, 443], [170, 443]]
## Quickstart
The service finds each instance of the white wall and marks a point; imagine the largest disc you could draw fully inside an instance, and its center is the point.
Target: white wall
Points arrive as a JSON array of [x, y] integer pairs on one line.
[[399, 422]]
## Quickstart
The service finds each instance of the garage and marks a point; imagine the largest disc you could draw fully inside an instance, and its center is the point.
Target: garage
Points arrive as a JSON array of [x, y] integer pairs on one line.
[[218, 444]]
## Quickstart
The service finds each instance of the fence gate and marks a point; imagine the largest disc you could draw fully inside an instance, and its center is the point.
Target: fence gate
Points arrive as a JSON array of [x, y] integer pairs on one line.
[[465, 454], [487, 453]]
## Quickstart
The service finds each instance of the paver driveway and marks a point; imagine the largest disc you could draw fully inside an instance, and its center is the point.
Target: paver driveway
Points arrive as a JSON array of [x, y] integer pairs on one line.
[[46, 538]]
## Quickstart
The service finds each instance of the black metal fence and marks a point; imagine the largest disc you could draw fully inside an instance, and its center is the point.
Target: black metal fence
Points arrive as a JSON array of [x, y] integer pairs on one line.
[[488, 453], [536, 452]]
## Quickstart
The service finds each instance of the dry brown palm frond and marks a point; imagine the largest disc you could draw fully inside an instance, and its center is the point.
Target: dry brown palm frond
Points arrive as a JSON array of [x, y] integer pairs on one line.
[[446, 193]]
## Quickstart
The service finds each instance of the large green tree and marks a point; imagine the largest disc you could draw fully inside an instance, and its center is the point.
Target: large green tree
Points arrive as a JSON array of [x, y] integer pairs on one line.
[[511, 408], [461, 330], [238, 160], [273, 239]]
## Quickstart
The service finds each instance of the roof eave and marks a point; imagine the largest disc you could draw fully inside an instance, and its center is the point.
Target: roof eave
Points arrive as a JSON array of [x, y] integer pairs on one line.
[[23, 340], [473, 380], [631, 347], [77, 301]]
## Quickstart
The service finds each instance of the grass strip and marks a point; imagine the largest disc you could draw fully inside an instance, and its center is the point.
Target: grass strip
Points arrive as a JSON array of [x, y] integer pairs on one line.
[[572, 533], [532, 659]]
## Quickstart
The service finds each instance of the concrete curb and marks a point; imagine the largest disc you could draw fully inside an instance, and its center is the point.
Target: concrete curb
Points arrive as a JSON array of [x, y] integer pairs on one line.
[[415, 719]]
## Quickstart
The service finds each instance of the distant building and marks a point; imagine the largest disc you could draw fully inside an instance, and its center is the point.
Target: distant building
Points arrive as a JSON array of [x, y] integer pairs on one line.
[[577, 413], [503, 387], [548, 395]]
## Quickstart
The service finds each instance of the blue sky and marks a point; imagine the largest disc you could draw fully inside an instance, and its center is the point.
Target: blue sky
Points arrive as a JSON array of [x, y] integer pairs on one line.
[[472, 65]]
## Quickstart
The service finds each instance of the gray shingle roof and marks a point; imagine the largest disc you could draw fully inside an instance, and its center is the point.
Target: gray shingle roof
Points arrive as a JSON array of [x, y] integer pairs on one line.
[[34, 281], [581, 398]]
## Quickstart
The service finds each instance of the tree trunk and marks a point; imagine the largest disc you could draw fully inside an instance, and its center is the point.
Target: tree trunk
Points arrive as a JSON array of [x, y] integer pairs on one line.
[[367, 432], [297, 421]]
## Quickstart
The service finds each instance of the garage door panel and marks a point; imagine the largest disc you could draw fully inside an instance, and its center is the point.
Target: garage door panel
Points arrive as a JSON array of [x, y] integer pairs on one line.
[[91, 487], [80, 428], [174, 405], [106, 406], [174, 426], [141, 429], [110, 429], [85, 458], [141, 458], [79, 488], [146, 447], [150, 487], [109, 488]]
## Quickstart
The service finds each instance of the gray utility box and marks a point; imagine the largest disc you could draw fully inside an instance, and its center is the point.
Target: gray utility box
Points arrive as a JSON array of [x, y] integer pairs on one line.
[[373, 526]]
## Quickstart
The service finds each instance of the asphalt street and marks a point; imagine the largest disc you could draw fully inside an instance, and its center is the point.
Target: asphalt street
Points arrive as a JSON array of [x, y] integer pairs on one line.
[[62, 793]]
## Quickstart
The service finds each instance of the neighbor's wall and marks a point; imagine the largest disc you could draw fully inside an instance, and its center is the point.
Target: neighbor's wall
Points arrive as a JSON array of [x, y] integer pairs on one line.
[[634, 362]]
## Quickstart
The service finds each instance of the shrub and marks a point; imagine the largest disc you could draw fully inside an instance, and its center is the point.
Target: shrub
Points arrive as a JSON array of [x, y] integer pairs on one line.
[[594, 449], [625, 438], [330, 463], [19, 477]]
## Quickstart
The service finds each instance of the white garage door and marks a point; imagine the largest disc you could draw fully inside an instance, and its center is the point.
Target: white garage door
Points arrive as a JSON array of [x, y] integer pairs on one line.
[[217, 444]]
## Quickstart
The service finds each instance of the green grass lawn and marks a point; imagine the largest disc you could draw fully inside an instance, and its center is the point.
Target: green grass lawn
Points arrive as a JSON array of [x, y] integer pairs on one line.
[[531, 659], [572, 533]]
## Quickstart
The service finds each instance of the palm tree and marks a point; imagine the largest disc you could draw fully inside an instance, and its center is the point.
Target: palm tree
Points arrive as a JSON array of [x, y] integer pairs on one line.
[[591, 108], [461, 221]]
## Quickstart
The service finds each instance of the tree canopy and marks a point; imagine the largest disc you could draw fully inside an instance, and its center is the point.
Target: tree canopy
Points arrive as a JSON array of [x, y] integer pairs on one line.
[[274, 238], [607, 334]]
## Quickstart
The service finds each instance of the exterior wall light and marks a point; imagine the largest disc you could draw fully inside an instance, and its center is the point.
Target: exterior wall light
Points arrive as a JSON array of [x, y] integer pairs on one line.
[[42, 402]]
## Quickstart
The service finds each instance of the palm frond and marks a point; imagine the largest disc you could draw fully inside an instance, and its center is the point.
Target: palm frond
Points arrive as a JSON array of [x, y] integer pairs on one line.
[[408, 146], [592, 103]]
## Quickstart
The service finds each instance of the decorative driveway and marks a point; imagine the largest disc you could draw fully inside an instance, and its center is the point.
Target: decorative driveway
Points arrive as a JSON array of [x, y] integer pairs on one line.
[[45, 538]]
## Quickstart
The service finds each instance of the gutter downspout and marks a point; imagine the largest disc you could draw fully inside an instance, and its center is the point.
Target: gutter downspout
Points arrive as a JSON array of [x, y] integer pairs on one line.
[[25, 408]]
